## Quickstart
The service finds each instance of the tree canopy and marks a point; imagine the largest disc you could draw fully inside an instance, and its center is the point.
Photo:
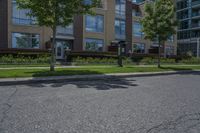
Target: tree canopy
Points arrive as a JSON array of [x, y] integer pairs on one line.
[[159, 21], [52, 13]]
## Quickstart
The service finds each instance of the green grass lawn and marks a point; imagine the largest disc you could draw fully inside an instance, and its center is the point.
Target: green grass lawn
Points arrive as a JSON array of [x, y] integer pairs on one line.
[[88, 70]]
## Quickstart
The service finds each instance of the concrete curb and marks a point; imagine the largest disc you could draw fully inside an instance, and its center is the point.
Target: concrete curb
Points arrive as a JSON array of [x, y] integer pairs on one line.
[[17, 81]]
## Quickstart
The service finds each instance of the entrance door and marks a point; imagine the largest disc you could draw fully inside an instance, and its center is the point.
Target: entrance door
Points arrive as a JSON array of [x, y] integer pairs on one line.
[[61, 47], [59, 50]]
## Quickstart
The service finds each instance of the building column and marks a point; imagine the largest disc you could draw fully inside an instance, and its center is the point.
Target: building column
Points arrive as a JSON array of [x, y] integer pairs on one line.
[[129, 24], [4, 24], [78, 33]]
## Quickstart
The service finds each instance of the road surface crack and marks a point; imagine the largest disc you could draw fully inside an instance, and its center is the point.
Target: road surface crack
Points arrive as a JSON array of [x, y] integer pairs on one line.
[[8, 106], [188, 122]]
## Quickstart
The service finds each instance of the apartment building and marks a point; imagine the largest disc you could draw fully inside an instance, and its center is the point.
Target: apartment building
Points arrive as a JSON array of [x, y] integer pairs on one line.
[[115, 20], [188, 14]]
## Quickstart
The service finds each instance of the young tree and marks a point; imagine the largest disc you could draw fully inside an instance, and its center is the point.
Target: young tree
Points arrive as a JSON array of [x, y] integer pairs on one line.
[[53, 13], [159, 22]]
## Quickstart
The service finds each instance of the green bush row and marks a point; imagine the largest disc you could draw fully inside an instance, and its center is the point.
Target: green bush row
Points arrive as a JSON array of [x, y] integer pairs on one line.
[[142, 61], [23, 59], [151, 61], [90, 60], [192, 60]]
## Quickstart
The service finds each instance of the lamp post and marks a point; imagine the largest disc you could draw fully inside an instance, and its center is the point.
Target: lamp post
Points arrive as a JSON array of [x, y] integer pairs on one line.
[[120, 63], [198, 46]]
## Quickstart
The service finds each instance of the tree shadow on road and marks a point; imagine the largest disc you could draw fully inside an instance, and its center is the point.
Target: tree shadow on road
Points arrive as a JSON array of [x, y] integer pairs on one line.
[[99, 83], [108, 83]]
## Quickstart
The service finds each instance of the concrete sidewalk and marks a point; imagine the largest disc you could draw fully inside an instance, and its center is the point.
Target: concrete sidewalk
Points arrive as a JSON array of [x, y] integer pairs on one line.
[[13, 81], [47, 67]]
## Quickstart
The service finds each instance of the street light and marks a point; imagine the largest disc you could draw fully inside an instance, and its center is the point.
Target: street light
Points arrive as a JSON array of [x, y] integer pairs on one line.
[[121, 51], [198, 46]]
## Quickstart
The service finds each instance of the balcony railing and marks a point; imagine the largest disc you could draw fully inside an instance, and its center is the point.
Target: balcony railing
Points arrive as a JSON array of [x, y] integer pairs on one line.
[[195, 3], [195, 25], [195, 14]]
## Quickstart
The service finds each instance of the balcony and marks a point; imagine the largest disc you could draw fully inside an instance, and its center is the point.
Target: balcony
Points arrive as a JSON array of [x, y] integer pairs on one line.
[[195, 3], [196, 14], [195, 25]]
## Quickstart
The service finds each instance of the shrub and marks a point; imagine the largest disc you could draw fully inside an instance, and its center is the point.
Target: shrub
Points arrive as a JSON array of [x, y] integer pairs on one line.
[[22, 59], [192, 60], [90, 60], [152, 61], [131, 61]]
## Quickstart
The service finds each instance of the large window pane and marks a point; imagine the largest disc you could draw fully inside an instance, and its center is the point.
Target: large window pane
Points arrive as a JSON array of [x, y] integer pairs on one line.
[[23, 40], [93, 44], [120, 29], [137, 27], [94, 23], [139, 48], [65, 30], [20, 16], [120, 7]]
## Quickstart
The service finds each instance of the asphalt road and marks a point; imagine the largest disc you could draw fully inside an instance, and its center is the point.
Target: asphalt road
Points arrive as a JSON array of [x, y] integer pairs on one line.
[[159, 104]]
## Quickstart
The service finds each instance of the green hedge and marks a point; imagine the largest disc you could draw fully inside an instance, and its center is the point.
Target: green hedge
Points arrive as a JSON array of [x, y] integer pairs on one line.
[[192, 60], [90, 60], [132, 61], [22, 59], [151, 61]]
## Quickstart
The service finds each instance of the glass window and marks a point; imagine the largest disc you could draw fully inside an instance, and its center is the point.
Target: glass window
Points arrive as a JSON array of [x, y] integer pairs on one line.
[[120, 28], [170, 38], [169, 50], [137, 27], [65, 30], [136, 13], [24, 40], [94, 44], [90, 2], [139, 48], [94, 23], [182, 4], [120, 7], [20, 16], [137, 1]]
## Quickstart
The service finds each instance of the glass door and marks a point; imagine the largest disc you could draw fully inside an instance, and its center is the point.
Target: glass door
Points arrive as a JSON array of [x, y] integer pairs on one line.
[[59, 50], [61, 47]]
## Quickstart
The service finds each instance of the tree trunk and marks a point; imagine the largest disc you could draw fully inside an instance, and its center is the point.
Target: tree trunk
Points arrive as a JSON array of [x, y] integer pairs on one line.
[[159, 53], [53, 46]]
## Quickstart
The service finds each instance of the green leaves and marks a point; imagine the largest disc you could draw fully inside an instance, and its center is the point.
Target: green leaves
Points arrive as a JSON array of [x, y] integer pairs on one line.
[[159, 20], [53, 13]]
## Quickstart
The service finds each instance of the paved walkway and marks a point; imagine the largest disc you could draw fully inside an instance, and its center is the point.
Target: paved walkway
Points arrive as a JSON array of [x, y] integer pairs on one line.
[[12, 68]]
